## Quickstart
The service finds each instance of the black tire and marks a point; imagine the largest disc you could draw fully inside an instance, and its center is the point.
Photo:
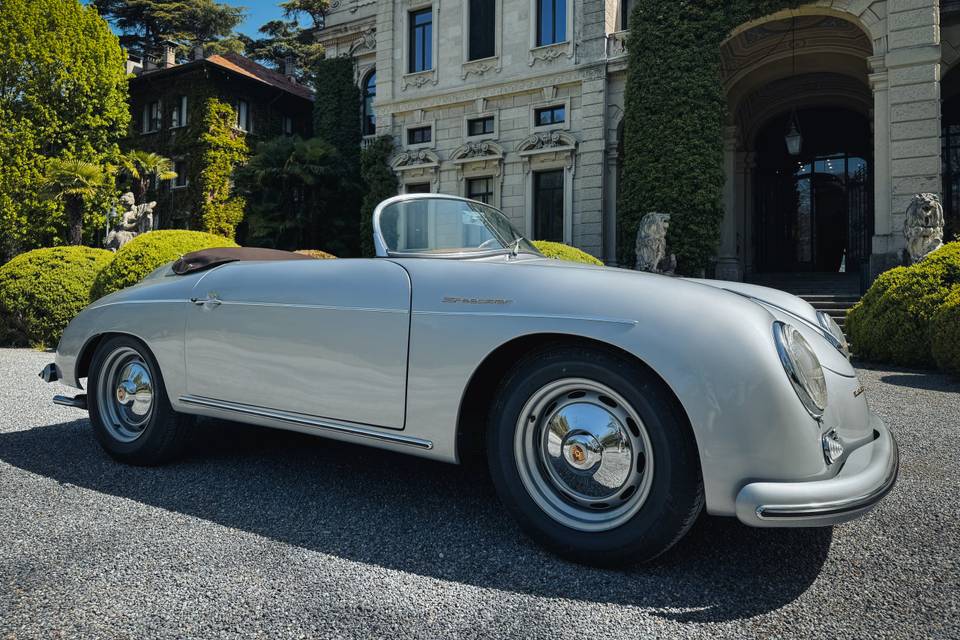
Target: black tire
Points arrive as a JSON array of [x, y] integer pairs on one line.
[[161, 434], [673, 494]]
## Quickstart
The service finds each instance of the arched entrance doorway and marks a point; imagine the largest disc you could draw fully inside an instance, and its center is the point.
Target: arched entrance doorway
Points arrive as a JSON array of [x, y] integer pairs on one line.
[[813, 211]]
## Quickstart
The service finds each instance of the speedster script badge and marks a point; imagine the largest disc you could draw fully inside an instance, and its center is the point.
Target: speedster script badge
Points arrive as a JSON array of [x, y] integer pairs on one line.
[[458, 300]]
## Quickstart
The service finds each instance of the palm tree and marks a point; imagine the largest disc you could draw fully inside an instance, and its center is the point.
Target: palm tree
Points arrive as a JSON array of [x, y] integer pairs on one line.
[[74, 182], [144, 166]]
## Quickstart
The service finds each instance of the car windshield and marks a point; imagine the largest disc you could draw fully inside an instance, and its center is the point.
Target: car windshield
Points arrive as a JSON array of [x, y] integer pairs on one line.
[[447, 226]]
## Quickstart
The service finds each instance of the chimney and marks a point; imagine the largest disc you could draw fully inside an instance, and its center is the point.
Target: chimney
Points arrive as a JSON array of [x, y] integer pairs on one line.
[[168, 57], [197, 53], [290, 68]]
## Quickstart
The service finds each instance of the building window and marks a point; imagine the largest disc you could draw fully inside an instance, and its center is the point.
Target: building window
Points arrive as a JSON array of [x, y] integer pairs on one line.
[[151, 117], [287, 126], [244, 121], [483, 25], [419, 135], [369, 123], [178, 118], [548, 205], [180, 167], [421, 40], [551, 22], [480, 126], [480, 189], [625, 14], [420, 187], [550, 116]]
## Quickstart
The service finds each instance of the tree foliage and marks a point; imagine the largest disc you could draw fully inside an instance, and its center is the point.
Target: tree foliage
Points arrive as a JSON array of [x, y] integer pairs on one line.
[[76, 183], [146, 24], [336, 120], [673, 124], [379, 183], [145, 170], [289, 184], [63, 94], [291, 38], [217, 151]]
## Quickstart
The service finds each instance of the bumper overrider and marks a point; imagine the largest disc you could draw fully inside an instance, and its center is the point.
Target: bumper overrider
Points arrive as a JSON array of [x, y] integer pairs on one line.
[[867, 475], [51, 373]]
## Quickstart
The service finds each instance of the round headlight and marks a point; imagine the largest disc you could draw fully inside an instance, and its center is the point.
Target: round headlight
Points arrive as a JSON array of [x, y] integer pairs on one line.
[[830, 325], [802, 367]]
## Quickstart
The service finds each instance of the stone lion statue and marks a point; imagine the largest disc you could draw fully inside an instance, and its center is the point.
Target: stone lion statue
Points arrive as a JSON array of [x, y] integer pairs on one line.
[[923, 226], [134, 220], [651, 248]]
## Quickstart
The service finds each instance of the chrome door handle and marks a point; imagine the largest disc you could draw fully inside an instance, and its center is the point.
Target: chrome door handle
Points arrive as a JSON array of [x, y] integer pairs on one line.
[[207, 302]]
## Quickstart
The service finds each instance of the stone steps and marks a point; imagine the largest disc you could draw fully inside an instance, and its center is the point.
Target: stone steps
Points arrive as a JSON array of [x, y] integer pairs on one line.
[[832, 293]]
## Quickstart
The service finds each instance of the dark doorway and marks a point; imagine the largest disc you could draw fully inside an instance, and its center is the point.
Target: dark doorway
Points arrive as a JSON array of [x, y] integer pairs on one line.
[[814, 212], [548, 205], [951, 158]]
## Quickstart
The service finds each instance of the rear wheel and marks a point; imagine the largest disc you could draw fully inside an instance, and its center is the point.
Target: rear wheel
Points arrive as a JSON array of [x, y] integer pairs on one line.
[[129, 409], [588, 451]]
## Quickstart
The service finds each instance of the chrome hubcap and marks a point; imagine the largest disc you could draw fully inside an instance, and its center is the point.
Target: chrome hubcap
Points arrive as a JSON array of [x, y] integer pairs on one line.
[[125, 394], [583, 454]]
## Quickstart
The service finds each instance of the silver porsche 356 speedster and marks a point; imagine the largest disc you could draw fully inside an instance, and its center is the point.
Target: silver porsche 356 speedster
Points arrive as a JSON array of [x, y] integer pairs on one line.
[[612, 406]]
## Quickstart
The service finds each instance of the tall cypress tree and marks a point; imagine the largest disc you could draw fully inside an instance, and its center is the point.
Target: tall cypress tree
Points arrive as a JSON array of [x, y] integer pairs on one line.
[[336, 120]]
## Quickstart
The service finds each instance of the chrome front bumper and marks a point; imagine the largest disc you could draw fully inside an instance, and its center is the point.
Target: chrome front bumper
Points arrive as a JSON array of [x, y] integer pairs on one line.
[[868, 474]]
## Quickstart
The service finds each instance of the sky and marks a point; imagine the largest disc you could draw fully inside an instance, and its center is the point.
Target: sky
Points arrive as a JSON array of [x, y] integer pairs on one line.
[[258, 13]]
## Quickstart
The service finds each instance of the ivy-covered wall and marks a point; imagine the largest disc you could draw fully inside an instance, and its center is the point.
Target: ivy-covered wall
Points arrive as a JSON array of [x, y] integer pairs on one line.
[[182, 207], [675, 110]]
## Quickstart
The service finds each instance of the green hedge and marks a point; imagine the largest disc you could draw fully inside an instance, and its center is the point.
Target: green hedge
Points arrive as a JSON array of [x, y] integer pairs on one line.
[[136, 259], [894, 320], [42, 290], [945, 333], [559, 251]]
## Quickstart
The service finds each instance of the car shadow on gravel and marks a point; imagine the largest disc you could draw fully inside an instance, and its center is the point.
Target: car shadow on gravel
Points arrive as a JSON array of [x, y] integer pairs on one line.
[[423, 517]]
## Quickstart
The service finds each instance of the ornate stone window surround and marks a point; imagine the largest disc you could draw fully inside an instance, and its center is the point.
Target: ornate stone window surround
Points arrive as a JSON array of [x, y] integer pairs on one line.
[[481, 66], [550, 52], [479, 160], [423, 145], [557, 102], [543, 152], [417, 167], [483, 136], [420, 78]]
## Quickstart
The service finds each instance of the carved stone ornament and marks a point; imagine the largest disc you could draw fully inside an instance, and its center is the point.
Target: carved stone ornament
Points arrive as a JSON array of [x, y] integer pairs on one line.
[[134, 220], [546, 142], [548, 54], [479, 68], [485, 157], [651, 247], [418, 80], [413, 166], [923, 226], [367, 41]]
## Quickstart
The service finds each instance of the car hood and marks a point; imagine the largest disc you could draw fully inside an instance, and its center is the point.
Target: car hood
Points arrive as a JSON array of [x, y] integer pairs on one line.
[[773, 297]]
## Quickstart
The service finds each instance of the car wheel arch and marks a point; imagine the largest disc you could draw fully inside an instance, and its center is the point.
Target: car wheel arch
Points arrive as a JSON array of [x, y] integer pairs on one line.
[[85, 355], [478, 395]]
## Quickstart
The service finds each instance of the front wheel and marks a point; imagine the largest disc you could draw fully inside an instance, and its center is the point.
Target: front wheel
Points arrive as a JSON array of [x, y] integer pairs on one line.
[[587, 450], [129, 409]]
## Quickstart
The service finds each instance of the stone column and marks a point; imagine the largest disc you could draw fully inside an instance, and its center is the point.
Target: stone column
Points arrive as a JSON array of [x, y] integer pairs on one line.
[[728, 264], [749, 162]]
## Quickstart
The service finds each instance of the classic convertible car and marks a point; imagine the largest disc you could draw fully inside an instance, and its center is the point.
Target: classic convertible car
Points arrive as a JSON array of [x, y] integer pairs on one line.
[[612, 406]]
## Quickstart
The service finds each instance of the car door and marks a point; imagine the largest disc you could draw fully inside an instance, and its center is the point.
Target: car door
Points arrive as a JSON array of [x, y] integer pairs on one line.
[[323, 338]]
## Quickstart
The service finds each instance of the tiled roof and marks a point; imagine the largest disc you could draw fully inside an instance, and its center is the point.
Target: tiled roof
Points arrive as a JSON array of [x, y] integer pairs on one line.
[[247, 67]]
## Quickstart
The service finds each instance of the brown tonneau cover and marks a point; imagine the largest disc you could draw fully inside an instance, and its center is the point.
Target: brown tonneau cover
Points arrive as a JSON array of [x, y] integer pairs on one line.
[[209, 258]]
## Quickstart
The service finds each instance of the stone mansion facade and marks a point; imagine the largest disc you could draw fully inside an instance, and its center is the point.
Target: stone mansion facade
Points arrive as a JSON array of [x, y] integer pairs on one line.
[[519, 103]]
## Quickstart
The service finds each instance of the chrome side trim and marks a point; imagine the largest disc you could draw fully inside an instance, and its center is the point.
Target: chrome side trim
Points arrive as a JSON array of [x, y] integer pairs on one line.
[[538, 316], [836, 507], [322, 307], [319, 424]]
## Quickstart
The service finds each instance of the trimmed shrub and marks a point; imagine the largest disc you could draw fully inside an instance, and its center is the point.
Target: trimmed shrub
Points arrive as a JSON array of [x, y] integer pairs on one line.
[[559, 251], [136, 259], [892, 322], [42, 290], [316, 253], [945, 333]]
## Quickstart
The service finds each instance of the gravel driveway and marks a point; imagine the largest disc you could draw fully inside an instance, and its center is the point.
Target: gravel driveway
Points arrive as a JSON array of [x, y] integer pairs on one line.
[[264, 533]]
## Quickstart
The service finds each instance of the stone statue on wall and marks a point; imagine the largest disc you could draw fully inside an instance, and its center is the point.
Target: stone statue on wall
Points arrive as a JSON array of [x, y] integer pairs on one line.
[[134, 220], [923, 227], [651, 248]]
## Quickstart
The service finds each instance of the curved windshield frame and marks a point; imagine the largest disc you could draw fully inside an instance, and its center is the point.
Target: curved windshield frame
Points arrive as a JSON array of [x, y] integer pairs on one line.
[[439, 226]]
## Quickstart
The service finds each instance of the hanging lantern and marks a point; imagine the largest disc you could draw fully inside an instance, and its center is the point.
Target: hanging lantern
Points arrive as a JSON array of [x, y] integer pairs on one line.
[[794, 138]]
